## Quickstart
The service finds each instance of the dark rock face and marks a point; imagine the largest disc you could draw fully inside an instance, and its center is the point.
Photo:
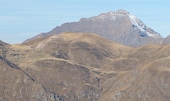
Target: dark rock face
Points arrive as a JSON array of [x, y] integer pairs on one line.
[[119, 26]]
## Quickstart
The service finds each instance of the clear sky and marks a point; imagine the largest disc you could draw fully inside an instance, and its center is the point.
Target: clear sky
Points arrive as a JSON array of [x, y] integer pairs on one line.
[[22, 19]]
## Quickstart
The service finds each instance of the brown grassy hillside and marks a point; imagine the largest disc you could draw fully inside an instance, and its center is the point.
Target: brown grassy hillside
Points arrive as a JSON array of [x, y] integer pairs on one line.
[[87, 67]]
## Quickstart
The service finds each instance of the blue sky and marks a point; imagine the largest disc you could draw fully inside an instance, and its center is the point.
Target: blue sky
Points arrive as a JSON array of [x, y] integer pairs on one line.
[[22, 19]]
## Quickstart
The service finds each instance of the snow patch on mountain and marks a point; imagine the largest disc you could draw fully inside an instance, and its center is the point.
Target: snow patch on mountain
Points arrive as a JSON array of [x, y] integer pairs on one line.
[[154, 35], [109, 15], [123, 13], [139, 24]]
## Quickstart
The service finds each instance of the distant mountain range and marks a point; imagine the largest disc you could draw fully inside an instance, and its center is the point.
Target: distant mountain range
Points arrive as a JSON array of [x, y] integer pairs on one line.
[[120, 27]]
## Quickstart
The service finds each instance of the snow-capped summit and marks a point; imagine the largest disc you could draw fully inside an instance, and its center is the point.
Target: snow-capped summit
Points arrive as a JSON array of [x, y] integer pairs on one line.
[[137, 23], [119, 26], [110, 15]]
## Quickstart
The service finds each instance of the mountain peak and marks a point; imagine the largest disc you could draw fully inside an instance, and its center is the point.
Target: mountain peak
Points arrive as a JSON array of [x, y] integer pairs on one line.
[[119, 26], [139, 24], [122, 11], [136, 23], [119, 12], [110, 15]]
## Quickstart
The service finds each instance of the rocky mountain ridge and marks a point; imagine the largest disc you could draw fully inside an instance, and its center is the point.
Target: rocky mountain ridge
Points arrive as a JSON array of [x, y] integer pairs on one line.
[[120, 27]]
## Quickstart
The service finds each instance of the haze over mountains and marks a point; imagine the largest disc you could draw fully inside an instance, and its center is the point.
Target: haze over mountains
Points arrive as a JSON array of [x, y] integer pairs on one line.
[[84, 67], [120, 27]]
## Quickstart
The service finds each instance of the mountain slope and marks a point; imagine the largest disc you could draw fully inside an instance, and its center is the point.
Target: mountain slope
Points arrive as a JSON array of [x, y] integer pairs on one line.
[[88, 67], [119, 26], [80, 46], [16, 85], [148, 81], [68, 64], [167, 40], [4, 48]]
